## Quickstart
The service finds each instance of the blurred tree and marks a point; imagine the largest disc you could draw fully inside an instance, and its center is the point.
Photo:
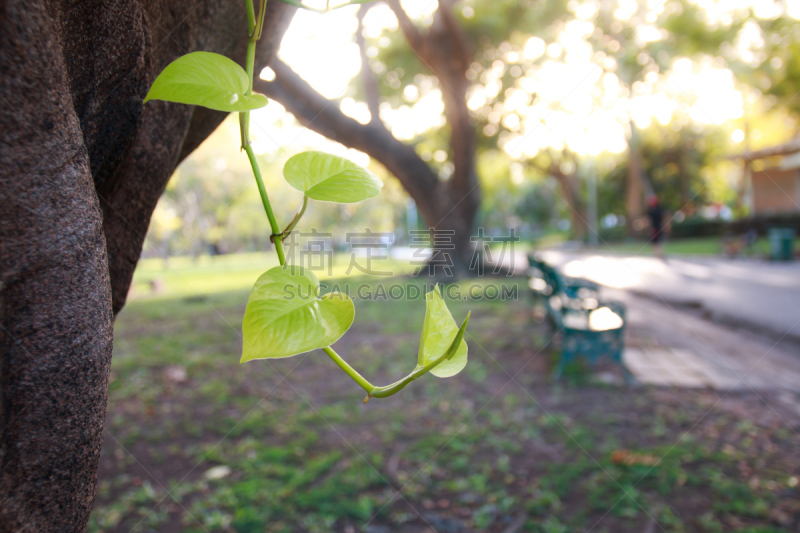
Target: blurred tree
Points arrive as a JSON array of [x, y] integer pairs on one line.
[[560, 88], [675, 162], [537, 205], [615, 44], [760, 43], [563, 166], [551, 82], [448, 200], [203, 198]]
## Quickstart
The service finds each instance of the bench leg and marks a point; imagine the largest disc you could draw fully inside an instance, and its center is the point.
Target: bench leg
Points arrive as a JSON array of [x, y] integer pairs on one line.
[[629, 378], [559, 371], [563, 359]]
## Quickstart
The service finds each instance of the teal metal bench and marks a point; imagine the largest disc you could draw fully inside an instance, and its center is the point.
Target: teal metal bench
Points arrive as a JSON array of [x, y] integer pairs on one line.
[[590, 334], [572, 287], [589, 327]]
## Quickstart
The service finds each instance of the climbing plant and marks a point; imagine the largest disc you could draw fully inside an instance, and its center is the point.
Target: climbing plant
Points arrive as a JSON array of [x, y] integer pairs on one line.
[[286, 315]]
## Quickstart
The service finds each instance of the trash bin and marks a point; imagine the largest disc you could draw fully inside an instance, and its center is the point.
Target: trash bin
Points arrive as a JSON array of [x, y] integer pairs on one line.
[[781, 244]]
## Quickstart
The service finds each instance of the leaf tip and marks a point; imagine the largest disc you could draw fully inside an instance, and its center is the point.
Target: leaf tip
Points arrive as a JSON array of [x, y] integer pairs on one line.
[[463, 327]]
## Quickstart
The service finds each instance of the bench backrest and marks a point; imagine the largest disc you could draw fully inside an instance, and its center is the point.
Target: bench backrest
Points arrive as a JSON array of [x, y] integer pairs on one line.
[[550, 274]]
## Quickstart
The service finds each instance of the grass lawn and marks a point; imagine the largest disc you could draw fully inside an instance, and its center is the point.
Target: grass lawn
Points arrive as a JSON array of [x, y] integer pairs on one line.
[[187, 276], [195, 442], [695, 246]]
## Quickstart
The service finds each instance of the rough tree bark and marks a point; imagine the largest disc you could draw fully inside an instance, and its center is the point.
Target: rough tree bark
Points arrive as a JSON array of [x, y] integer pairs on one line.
[[82, 165], [447, 205], [569, 184], [570, 188]]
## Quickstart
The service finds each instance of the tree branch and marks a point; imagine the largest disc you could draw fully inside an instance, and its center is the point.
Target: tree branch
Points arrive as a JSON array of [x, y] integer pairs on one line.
[[412, 34], [446, 52], [324, 117], [367, 75], [461, 45]]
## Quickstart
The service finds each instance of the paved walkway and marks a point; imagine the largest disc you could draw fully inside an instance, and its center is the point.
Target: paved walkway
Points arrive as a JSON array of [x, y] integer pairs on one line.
[[755, 294], [674, 346], [701, 322]]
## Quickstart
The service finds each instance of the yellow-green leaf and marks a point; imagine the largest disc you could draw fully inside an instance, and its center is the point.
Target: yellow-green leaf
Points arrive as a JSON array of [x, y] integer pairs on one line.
[[285, 315], [330, 178], [206, 79], [438, 332]]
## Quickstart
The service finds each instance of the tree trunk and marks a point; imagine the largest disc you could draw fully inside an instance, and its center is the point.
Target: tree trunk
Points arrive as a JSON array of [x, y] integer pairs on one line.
[[447, 52], [56, 296], [572, 197], [82, 166], [634, 191], [453, 228]]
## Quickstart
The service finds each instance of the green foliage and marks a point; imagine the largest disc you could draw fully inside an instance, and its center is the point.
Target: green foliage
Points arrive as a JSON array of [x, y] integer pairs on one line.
[[329, 178], [673, 162], [438, 333], [690, 34], [206, 79], [286, 316], [536, 203], [779, 73]]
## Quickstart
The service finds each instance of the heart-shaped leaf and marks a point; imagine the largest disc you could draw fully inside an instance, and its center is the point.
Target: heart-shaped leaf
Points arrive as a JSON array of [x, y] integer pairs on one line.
[[438, 333], [285, 315], [206, 79], [330, 178]]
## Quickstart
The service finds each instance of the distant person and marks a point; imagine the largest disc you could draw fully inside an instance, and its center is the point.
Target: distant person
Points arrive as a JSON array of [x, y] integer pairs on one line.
[[656, 215], [750, 239]]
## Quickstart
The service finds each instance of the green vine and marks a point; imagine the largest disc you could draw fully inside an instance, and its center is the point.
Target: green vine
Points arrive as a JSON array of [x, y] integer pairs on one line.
[[285, 314]]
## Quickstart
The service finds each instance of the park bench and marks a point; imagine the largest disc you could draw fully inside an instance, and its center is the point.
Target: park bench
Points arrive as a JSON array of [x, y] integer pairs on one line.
[[543, 277], [588, 327]]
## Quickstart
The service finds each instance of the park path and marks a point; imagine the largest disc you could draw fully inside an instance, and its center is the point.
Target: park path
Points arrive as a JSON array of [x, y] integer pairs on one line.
[[701, 322], [667, 345], [754, 294]]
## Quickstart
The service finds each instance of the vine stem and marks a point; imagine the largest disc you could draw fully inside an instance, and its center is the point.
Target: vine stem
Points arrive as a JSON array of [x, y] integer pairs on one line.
[[254, 27], [265, 200], [397, 386]]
